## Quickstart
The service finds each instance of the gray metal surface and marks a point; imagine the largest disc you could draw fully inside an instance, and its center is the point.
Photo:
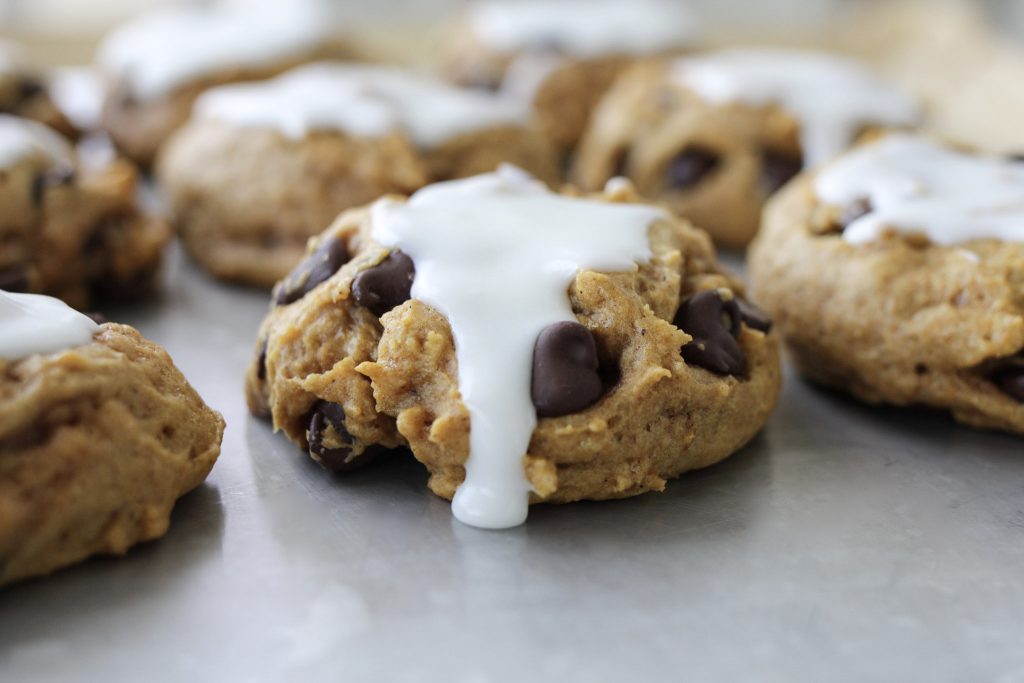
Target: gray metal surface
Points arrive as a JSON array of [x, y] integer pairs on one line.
[[845, 543]]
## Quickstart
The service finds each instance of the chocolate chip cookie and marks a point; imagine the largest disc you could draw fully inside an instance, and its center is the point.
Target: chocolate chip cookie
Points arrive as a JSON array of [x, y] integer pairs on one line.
[[896, 274], [594, 345], [261, 168], [159, 63], [99, 436], [73, 232], [24, 91], [714, 135]]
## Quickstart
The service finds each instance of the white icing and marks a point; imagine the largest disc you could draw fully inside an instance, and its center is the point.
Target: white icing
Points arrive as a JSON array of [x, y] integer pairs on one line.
[[916, 186], [363, 100], [173, 46], [496, 254], [33, 323], [21, 138], [831, 97], [584, 28]]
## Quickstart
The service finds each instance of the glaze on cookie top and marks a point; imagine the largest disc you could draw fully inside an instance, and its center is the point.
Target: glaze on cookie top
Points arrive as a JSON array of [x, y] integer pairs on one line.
[[168, 48], [33, 323], [909, 184], [368, 101], [22, 138], [500, 289], [832, 98], [583, 28]]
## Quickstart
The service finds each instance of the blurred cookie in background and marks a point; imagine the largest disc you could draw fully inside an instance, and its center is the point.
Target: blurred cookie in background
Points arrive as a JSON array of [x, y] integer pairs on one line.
[[25, 91]]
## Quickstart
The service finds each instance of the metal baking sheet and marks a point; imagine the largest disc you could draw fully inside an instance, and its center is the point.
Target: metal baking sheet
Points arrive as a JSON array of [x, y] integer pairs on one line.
[[846, 543]]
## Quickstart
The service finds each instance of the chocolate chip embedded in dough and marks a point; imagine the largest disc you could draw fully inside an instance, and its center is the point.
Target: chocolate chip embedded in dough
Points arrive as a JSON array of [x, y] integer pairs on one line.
[[565, 370], [386, 285], [753, 316], [331, 445], [47, 180], [318, 267], [689, 167], [714, 323], [29, 87], [14, 279], [777, 169], [261, 362], [1011, 382]]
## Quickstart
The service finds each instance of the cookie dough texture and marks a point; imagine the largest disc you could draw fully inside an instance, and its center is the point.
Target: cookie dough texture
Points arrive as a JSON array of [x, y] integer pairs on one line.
[[246, 200], [76, 233], [139, 127], [396, 375], [96, 445], [900, 321], [648, 121]]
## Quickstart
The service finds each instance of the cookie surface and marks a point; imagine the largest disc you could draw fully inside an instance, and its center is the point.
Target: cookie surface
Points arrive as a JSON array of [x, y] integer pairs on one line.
[[71, 232], [713, 136], [262, 168], [621, 409], [25, 92], [97, 442], [897, 274]]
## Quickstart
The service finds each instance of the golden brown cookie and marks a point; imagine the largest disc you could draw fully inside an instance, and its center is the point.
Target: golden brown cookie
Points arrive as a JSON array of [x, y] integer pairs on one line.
[[70, 231], [247, 190], [348, 366], [910, 297], [97, 442]]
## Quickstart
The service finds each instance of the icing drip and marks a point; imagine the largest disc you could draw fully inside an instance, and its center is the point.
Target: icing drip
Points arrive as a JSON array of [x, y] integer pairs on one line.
[[32, 323], [584, 28], [21, 138], [831, 97], [361, 100], [174, 46], [914, 185], [496, 255]]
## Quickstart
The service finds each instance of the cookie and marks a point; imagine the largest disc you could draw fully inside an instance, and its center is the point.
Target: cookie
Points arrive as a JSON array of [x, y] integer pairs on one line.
[[713, 136], [99, 435], [25, 91], [896, 274], [562, 56], [527, 346], [263, 167], [158, 64], [70, 231]]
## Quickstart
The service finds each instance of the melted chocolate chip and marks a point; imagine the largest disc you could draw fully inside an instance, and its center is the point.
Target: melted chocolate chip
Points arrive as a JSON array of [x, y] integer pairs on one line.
[[261, 362], [714, 324], [689, 167], [48, 180], [14, 279], [753, 316], [330, 444], [565, 370], [386, 285], [1011, 382], [777, 169], [29, 88], [317, 268], [620, 163]]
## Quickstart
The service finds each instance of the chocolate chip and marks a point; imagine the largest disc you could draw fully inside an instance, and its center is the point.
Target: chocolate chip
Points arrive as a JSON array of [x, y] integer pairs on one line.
[[777, 169], [620, 163], [714, 323], [330, 444], [29, 88], [47, 180], [1011, 381], [565, 370], [386, 285], [261, 362], [14, 279], [753, 316], [318, 267], [689, 167]]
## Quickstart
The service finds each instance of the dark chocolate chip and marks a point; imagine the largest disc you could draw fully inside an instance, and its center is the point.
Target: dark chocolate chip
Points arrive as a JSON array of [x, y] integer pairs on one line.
[[330, 444], [315, 269], [714, 323], [565, 370], [386, 285], [689, 167], [620, 163], [753, 316], [97, 317], [777, 169], [29, 88], [1011, 381], [261, 362], [47, 180], [14, 279]]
